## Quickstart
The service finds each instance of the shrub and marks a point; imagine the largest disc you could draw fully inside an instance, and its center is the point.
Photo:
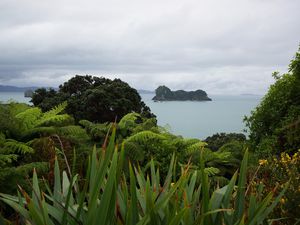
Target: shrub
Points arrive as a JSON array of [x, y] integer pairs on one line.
[[275, 172], [104, 196]]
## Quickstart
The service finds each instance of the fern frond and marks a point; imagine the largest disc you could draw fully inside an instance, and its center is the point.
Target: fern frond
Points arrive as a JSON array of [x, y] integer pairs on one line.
[[55, 110], [86, 124], [39, 131], [13, 146], [212, 171], [71, 130], [28, 168], [6, 159], [29, 117], [129, 120], [144, 136], [191, 141], [195, 148], [54, 120], [133, 151], [222, 155]]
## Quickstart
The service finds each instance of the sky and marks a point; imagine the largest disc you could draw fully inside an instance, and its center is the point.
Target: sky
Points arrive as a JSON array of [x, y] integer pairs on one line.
[[220, 46]]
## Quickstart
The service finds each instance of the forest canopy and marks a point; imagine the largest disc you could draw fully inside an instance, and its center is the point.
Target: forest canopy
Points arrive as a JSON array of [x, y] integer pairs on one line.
[[97, 99]]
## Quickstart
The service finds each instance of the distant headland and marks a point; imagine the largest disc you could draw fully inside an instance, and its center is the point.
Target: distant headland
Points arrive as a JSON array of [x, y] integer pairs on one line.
[[163, 93]]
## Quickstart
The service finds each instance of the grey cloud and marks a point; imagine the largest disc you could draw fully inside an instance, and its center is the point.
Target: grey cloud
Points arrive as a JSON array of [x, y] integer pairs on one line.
[[220, 46]]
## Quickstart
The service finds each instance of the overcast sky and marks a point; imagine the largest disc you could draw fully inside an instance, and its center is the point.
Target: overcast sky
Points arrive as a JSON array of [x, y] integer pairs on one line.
[[221, 46]]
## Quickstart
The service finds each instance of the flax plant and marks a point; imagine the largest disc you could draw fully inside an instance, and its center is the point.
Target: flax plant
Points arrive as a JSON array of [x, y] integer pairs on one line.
[[105, 196]]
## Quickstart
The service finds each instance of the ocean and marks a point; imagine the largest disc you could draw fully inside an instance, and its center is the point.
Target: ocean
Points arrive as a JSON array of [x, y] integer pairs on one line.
[[190, 119]]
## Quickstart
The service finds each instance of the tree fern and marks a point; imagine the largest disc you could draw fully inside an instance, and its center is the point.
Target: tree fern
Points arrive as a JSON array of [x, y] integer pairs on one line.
[[28, 119], [133, 151], [129, 120], [144, 136], [97, 131], [55, 111], [211, 171], [7, 159], [13, 146], [56, 120], [195, 147]]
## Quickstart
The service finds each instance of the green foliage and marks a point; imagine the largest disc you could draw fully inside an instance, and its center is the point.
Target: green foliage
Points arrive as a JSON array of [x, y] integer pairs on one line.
[[95, 99], [29, 139], [97, 131], [105, 194], [274, 124], [216, 141], [274, 172]]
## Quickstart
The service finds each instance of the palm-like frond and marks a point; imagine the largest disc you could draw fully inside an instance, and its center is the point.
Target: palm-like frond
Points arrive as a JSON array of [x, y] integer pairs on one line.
[[7, 159], [195, 147], [55, 111], [13, 146], [144, 136], [29, 117], [129, 120], [134, 151]]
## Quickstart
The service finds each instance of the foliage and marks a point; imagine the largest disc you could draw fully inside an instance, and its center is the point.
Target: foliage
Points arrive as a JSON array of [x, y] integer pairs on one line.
[[144, 140], [106, 198], [217, 140], [275, 172], [163, 93], [31, 138], [274, 124], [96, 99]]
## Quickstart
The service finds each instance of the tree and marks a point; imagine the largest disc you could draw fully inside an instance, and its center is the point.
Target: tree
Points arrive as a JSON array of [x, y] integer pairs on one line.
[[93, 98], [275, 124], [217, 140]]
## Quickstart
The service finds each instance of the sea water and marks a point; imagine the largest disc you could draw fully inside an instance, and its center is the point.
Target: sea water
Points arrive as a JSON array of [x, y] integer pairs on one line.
[[201, 119], [189, 118]]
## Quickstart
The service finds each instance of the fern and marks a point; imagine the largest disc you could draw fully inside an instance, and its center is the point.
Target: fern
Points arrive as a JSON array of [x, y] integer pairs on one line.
[[133, 151], [55, 111], [39, 131], [28, 168], [13, 146], [129, 120], [144, 136], [212, 171], [95, 130], [57, 120], [195, 148], [86, 124], [191, 141], [29, 117], [71, 130], [7, 159]]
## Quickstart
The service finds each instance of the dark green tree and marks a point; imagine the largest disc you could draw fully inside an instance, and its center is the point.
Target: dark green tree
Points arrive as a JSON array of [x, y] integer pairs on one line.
[[93, 98], [275, 124], [217, 140]]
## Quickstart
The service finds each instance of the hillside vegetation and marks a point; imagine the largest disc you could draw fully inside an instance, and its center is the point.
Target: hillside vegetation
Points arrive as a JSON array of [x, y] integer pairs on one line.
[[92, 153]]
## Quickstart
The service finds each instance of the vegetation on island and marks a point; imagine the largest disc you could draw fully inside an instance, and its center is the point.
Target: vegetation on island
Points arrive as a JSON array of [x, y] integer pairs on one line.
[[92, 153], [163, 93]]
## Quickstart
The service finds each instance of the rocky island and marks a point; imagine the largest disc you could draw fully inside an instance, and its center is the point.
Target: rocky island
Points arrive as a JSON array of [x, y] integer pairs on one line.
[[163, 93]]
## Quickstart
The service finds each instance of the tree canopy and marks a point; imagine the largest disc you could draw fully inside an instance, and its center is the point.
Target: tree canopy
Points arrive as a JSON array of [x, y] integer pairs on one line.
[[97, 99], [275, 123]]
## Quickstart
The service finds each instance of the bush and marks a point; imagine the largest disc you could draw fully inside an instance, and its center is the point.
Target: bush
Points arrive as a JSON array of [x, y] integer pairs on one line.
[[274, 173], [96, 99], [104, 196]]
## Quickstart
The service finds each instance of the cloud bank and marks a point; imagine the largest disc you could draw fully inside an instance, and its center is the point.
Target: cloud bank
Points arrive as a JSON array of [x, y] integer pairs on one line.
[[229, 46]]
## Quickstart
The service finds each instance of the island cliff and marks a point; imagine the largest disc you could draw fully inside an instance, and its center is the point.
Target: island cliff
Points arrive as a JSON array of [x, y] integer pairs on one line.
[[164, 93]]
